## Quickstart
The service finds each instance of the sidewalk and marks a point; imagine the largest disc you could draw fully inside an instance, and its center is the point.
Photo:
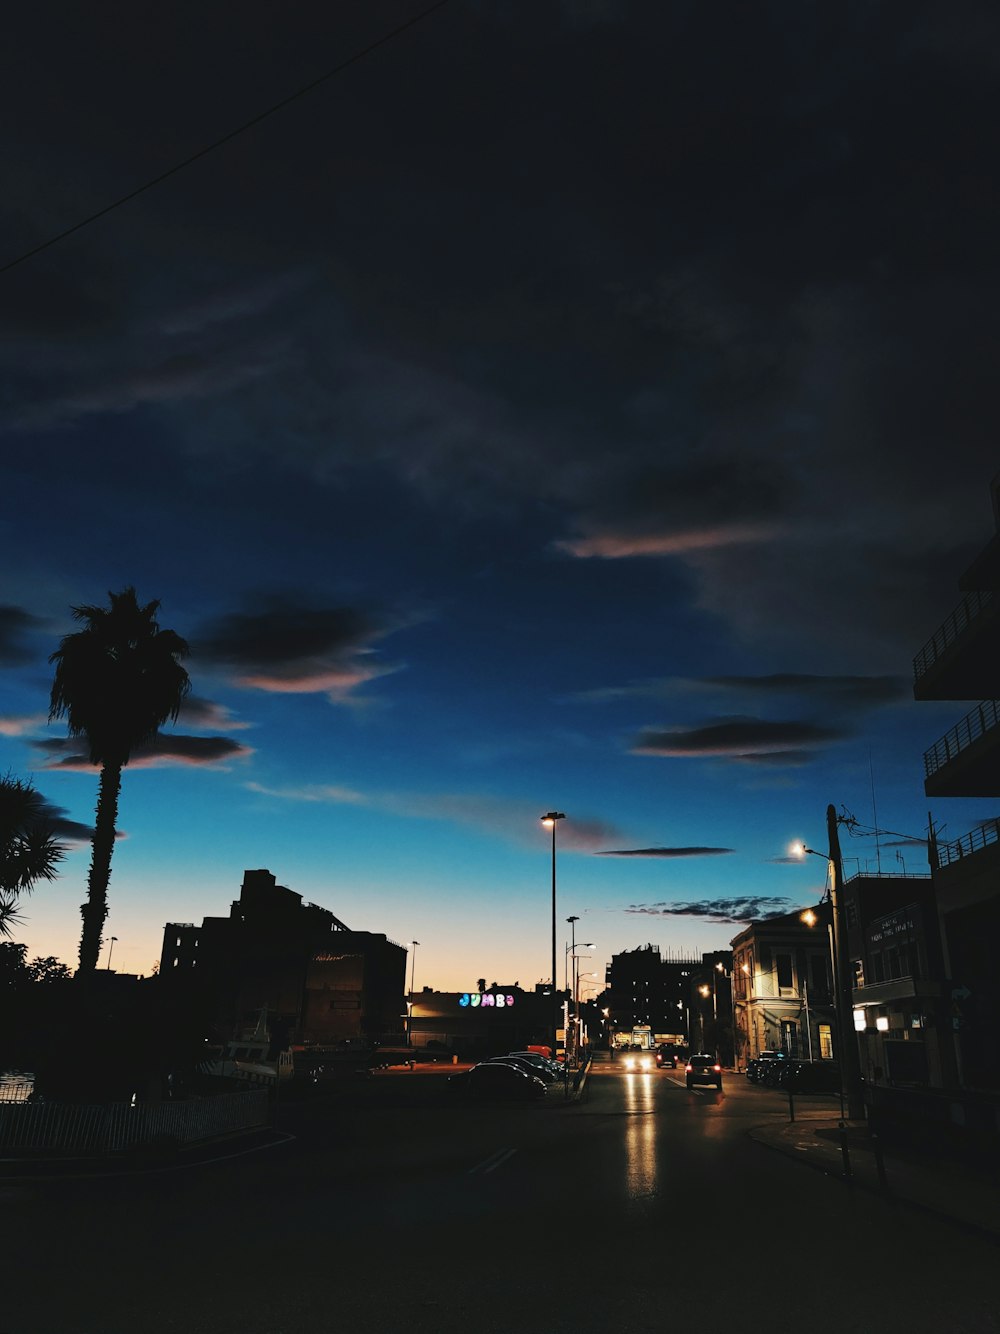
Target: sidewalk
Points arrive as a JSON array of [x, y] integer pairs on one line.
[[942, 1185]]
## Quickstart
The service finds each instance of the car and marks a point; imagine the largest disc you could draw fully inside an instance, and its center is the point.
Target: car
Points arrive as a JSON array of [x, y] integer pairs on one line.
[[638, 1060], [812, 1077], [493, 1081], [757, 1066], [540, 1072], [666, 1060], [703, 1069], [542, 1062]]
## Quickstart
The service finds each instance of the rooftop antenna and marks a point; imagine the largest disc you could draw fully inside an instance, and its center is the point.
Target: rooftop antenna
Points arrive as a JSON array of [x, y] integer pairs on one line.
[[878, 850]]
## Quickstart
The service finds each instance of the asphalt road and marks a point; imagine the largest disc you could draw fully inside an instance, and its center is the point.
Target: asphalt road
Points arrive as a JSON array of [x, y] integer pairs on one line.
[[393, 1209]]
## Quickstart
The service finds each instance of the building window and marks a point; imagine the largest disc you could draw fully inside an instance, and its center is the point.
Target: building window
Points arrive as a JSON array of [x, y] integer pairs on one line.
[[878, 968], [783, 968], [825, 1043]]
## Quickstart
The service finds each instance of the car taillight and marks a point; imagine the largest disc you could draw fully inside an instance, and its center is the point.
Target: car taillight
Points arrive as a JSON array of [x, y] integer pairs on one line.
[[688, 1069], [717, 1069]]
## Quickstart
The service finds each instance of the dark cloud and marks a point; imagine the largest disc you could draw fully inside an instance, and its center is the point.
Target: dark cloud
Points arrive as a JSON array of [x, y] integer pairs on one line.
[[736, 738], [290, 649], [65, 829], [15, 623], [196, 751], [206, 714], [736, 910], [856, 691], [665, 852]]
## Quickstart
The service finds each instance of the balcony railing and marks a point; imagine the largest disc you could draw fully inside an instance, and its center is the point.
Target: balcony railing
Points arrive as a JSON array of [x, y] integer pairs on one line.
[[956, 624], [974, 841], [975, 724]]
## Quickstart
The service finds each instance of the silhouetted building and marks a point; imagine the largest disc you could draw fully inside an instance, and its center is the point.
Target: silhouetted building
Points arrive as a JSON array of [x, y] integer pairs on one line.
[[644, 988], [711, 1005], [321, 982], [484, 1021], [960, 662], [901, 1012]]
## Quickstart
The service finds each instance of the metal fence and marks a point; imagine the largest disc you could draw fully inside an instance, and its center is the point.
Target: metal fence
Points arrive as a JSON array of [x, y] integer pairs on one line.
[[109, 1128], [946, 635], [973, 841], [975, 724]]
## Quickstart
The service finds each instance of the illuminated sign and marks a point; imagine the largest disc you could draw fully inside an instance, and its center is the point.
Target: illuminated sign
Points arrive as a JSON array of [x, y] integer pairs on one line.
[[487, 999]]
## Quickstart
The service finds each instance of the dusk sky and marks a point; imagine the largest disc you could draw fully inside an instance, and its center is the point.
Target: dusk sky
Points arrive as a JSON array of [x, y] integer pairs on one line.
[[587, 406]]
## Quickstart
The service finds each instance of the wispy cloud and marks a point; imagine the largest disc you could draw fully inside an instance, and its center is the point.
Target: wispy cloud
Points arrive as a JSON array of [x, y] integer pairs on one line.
[[515, 821], [618, 545], [665, 852], [738, 911], [323, 793], [21, 724]]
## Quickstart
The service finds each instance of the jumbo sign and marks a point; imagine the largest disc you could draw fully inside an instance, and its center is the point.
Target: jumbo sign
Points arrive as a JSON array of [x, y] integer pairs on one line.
[[486, 998]]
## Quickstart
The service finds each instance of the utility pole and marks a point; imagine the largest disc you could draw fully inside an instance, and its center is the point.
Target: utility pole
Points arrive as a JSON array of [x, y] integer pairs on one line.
[[850, 1064]]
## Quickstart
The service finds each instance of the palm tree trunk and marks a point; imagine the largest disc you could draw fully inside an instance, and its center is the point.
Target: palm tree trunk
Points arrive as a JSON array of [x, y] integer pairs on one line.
[[95, 910]]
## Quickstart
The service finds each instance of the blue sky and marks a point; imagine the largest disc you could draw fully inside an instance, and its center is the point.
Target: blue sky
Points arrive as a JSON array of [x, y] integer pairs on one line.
[[591, 408]]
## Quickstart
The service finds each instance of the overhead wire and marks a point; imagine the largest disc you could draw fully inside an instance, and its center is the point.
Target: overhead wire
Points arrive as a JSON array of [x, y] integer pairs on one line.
[[226, 138]]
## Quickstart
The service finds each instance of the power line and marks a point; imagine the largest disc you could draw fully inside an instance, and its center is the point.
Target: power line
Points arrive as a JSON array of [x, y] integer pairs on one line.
[[240, 129]]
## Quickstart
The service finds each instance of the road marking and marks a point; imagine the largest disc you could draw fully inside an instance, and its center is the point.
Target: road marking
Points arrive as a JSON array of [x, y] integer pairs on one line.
[[494, 1161]]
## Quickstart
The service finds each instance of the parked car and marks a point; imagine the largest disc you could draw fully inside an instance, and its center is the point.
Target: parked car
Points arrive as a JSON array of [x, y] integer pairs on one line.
[[540, 1072], [703, 1069], [758, 1065], [543, 1062], [812, 1077], [491, 1081]]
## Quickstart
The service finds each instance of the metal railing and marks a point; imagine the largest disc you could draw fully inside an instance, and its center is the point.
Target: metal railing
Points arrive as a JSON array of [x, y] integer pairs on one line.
[[945, 635], [974, 841], [111, 1127], [976, 723]]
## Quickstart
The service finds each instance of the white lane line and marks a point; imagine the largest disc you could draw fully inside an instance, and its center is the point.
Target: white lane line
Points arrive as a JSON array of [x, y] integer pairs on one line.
[[494, 1161]]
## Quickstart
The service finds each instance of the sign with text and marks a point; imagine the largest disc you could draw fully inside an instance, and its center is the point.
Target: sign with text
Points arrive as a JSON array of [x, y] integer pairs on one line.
[[486, 1000]]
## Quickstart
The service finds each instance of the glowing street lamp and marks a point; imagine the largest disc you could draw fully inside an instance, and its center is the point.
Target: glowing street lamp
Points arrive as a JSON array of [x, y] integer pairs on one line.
[[550, 820]]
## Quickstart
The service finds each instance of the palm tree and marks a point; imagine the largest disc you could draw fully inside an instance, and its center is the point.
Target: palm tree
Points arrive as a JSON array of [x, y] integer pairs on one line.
[[28, 852], [116, 683]]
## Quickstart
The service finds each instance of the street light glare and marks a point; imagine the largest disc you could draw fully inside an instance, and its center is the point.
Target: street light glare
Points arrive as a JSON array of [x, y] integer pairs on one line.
[[797, 849], [809, 917]]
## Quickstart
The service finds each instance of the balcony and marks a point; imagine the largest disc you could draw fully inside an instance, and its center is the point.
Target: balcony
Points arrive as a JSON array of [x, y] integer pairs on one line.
[[958, 661], [965, 762], [896, 988], [969, 844]]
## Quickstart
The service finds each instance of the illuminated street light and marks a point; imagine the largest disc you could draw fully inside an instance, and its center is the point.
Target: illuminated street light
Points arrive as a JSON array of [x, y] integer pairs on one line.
[[550, 820]]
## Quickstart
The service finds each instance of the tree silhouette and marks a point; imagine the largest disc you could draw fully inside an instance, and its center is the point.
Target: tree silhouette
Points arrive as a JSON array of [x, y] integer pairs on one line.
[[117, 681], [28, 852]]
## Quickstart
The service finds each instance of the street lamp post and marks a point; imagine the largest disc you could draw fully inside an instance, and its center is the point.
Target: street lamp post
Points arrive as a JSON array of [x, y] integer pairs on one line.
[[413, 974], [850, 1065], [550, 820], [110, 948]]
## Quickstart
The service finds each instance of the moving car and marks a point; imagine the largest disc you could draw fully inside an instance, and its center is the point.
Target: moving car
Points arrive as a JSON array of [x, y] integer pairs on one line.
[[497, 1082], [638, 1060], [703, 1069], [666, 1059]]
